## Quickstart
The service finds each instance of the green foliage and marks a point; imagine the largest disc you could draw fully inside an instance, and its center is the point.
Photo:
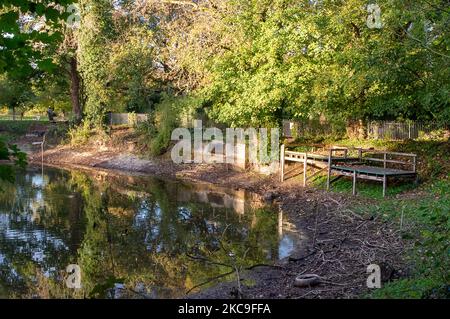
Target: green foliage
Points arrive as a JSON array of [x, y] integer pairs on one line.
[[15, 93], [10, 153], [96, 30], [430, 255], [131, 63], [157, 131], [79, 135], [413, 289], [168, 115], [300, 60], [366, 188], [23, 42]]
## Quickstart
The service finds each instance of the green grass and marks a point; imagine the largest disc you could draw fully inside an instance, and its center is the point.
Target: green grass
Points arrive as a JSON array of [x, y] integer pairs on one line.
[[25, 118], [427, 229], [19, 127], [426, 217], [11, 130], [365, 188]]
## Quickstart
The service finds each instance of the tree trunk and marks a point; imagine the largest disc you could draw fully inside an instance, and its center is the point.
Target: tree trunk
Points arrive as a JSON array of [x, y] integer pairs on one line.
[[75, 90]]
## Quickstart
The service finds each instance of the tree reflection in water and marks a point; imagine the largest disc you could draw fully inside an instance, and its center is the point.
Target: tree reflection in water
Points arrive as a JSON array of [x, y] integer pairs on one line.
[[150, 238]]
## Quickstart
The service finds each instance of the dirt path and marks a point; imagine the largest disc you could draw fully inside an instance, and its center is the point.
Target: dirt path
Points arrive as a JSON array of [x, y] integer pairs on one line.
[[341, 244]]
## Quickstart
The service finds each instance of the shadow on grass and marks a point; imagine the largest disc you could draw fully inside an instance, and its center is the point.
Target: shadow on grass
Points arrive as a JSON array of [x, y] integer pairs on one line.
[[366, 188]]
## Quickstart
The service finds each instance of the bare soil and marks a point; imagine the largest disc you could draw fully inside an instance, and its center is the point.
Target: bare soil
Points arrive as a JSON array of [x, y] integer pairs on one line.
[[340, 245]]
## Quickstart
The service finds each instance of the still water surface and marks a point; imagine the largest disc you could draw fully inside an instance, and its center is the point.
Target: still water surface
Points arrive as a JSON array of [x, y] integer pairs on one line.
[[132, 237]]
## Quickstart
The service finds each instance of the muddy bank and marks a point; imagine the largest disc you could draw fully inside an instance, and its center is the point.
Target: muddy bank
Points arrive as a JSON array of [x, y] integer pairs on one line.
[[340, 243]]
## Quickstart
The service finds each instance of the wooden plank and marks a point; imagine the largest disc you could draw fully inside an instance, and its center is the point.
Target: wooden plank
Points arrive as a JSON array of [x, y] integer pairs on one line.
[[341, 149], [373, 170], [295, 153], [373, 159], [389, 153], [336, 179], [350, 174], [298, 160], [318, 172]]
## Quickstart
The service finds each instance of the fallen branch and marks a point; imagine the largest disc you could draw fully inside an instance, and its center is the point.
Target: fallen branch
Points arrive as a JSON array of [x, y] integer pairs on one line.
[[210, 280]]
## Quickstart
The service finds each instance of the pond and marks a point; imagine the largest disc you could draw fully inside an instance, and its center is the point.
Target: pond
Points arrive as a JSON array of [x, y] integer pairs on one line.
[[131, 237]]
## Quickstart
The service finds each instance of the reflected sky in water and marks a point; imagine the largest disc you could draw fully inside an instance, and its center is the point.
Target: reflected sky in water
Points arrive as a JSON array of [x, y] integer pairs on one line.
[[143, 236]]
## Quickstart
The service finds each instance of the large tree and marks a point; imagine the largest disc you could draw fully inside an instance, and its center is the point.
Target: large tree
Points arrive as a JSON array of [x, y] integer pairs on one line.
[[15, 92], [94, 36]]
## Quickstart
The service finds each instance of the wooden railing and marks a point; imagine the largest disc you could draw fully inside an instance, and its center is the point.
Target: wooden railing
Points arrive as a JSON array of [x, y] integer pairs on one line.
[[346, 158], [390, 158]]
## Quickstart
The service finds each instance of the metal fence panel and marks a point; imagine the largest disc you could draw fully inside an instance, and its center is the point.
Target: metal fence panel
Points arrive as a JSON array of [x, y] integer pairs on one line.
[[385, 130], [402, 130], [126, 118]]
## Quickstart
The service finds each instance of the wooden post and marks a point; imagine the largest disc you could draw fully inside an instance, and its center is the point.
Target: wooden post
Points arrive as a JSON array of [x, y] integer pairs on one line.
[[330, 158], [354, 183], [360, 154], [416, 181], [385, 160], [42, 148], [384, 185], [305, 169], [283, 147]]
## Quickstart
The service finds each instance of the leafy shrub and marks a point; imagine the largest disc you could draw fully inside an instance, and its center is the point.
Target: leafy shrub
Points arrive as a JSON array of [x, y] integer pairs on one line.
[[79, 134], [158, 129], [169, 114], [10, 153]]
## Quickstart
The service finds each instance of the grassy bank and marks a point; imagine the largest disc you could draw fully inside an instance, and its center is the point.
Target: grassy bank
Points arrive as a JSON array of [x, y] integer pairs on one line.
[[424, 224], [422, 215], [10, 130], [423, 218], [421, 211]]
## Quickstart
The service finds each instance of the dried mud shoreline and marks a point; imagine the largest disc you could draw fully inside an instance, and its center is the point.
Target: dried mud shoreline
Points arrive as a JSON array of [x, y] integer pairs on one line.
[[340, 243]]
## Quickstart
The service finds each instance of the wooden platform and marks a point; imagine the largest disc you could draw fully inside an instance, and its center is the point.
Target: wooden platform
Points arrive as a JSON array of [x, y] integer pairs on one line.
[[338, 162], [372, 170]]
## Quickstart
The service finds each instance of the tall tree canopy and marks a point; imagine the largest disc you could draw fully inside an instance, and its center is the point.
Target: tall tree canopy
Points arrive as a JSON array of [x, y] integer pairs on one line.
[[252, 62], [296, 59]]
